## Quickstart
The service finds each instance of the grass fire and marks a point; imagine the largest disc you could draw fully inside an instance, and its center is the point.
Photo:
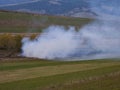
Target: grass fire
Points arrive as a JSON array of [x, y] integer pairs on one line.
[[46, 52]]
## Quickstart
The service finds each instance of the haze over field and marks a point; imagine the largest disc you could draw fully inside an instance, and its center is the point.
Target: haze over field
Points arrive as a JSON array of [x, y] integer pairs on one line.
[[99, 39]]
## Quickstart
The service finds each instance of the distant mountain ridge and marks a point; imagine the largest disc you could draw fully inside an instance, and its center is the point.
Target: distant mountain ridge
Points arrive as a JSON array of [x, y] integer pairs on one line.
[[74, 8]]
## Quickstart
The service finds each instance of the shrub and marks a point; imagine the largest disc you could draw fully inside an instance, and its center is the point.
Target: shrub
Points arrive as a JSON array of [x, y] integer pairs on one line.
[[10, 42], [18, 44], [7, 42]]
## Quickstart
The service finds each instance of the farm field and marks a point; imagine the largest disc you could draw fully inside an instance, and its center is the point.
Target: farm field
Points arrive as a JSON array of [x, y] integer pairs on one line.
[[26, 74], [16, 25], [19, 73], [14, 22]]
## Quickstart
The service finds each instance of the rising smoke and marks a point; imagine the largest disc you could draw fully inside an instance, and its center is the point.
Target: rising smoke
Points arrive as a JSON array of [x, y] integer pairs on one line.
[[99, 39]]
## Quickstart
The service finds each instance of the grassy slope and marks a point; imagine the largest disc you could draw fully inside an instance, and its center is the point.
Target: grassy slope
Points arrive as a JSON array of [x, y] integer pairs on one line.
[[59, 75], [23, 22], [53, 75]]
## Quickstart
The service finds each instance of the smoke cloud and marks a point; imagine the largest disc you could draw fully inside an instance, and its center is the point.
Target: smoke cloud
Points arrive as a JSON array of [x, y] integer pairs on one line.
[[97, 40], [54, 42]]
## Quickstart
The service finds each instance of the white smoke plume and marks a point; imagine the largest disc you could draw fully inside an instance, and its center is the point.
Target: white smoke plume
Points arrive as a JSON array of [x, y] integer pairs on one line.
[[97, 40], [55, 42]]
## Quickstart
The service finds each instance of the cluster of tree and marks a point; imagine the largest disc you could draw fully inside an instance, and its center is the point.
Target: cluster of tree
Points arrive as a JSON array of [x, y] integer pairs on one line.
[[12, 42]]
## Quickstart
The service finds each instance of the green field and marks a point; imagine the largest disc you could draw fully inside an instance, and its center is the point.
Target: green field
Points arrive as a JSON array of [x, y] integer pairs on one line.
[[35, 74], [59, 75], [13, 22]]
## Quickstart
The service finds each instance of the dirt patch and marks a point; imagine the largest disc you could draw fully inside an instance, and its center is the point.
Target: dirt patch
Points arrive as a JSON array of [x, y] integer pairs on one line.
[[9, 54]]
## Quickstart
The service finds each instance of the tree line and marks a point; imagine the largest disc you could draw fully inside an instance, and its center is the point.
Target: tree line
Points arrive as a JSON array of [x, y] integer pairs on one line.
[[12, 42]]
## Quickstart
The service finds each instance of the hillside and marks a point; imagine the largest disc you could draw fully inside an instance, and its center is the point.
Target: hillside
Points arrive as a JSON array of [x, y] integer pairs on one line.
[[15, 22], [74, 8]]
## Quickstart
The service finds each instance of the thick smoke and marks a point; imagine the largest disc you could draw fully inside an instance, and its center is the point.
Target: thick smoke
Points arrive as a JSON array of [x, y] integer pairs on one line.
[[96, 40], [99, 39], [54, 42]]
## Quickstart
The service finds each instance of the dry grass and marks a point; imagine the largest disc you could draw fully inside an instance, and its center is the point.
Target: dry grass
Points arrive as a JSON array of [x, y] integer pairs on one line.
[[104, 82]]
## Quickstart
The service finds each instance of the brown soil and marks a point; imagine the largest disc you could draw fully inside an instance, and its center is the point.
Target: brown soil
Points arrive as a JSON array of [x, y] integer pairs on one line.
[[9, 54]]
